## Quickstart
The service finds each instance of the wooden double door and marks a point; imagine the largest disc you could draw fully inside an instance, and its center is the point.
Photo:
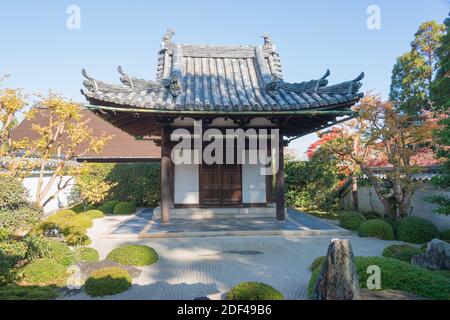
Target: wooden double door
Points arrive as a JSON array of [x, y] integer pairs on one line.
[[220, 185]]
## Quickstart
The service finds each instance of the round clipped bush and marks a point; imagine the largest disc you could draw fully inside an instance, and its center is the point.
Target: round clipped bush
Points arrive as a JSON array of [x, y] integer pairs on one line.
[[124, 208], [64, 214], [402, 252], [108, 207], [44, 272], [351, 220], [445, 235], [59, 252], [107, 282], [394, 224], [78, 208], [82, 221], [399, 275], [85, 254], [133, 255], [93, 214], [317, 263], [376, 228], [254, 291], [416, 230]]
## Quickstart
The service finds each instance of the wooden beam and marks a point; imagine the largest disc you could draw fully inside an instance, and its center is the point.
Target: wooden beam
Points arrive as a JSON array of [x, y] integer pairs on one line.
[[280, 182], [166, 181]]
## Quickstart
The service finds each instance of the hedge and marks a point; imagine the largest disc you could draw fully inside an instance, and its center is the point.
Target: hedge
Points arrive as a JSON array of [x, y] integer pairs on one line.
[[399, 275], [107, 282], [351, 220], [402, 252], [123, 208], [138, 183], [108, 207], [44, 272], [254, 291], [416, 230], [133, 255], [93, 214], [376, 228]]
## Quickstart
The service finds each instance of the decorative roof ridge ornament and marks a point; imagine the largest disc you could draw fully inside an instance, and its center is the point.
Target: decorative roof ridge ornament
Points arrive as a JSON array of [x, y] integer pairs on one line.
[[167, 39], [348, 87], [174, 82], [90, 83], [270, 81], [136, 83], [125, 79], [267, 41], [306, 86]]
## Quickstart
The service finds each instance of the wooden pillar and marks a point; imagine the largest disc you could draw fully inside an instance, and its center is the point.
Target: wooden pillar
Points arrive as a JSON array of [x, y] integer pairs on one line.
[[269, 178], [280, 197], [166, 181]]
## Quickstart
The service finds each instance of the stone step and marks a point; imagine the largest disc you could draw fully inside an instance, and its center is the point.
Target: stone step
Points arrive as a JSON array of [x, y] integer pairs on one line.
[[212, 213]]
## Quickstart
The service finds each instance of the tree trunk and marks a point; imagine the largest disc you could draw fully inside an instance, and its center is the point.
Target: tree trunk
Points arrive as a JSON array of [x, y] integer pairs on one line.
[[355, 193]]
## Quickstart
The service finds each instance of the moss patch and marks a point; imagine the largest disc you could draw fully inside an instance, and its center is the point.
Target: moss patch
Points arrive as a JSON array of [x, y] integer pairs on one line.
[[44, 272], [254, 291], [133, 255], [107, 282]]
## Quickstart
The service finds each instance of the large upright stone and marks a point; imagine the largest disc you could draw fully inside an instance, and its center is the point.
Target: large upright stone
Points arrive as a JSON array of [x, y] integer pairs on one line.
[[338, 279], [437, 256]]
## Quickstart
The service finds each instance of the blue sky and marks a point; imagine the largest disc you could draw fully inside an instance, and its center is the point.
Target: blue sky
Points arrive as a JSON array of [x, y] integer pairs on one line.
[[41, 53]]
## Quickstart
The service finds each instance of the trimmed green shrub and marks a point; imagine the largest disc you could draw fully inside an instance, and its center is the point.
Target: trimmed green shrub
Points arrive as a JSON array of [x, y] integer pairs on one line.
[[124, 208], [351, 220], [7, 273], [108, 207], [13, 195], [394, 224], [317, 263], [133, 255], [78, 208], [369, 215], [82, 221], [62, 214], [44, 272], [75, 235], [399, 275], [376, 228], [12, 252], [14, 292], [107, 282], [93, 214], [254, 291], [20, 219], [85, 254], [445, 235], [402, 252], [5, 234], [60, 252], [416, 230]]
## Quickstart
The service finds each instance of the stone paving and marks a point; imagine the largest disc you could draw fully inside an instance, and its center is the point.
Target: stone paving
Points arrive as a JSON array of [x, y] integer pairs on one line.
[[210, 266], [296, 221]]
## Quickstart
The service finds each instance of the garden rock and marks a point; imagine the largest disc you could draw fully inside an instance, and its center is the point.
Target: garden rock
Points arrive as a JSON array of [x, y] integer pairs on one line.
[[338, 279], [437, 256]]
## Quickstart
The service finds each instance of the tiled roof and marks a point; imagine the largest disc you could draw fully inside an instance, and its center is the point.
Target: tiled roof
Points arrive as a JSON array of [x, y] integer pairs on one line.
[[220, 78]]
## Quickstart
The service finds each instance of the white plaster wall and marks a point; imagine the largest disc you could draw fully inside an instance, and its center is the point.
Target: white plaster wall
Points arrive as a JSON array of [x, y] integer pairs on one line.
[[421, 208], [61, 201], [186, 190], [253, 184]]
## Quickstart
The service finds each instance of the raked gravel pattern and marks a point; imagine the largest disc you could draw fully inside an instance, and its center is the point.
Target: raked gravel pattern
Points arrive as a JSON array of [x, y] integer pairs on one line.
[[210, 266]]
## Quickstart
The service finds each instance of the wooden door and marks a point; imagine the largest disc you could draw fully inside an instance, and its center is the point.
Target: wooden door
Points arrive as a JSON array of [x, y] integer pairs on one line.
[[220, 185]]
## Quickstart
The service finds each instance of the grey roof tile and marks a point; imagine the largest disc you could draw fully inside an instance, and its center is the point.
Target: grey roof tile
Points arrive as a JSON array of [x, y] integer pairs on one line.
[[228, 78]]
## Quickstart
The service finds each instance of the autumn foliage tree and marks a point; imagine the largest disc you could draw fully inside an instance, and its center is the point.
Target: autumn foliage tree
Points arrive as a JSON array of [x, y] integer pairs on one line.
[[61, 137], [381, 130]]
